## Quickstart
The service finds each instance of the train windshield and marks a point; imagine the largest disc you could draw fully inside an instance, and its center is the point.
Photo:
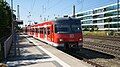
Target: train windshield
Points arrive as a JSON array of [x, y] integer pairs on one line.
[[76, 28], [62, 28], [68, 27]]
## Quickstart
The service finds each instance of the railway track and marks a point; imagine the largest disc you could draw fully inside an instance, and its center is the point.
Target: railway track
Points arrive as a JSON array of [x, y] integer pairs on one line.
[[111, 38], [113, 50], [107, 45], [96, 58]]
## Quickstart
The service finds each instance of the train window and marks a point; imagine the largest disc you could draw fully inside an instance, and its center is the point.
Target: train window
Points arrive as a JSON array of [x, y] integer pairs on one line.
[[48, 31], [41, 30], [32, 30], [62, 29], [44, 30], [75, 28], [36, 30], [68, 26]]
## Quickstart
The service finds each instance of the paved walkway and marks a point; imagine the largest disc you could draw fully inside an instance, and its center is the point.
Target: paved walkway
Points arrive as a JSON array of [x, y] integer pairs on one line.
[[30, 55], [33, 53]]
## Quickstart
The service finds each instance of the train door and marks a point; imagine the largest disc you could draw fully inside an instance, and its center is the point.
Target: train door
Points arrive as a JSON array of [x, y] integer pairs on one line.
[[49, 33], [45, 33], [38, 32], [42, 33], [33, 32], [52, 33], [36, 35]]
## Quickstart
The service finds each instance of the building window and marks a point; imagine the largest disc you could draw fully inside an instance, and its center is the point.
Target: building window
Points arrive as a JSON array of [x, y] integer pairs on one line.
[[95, 21], [111, 26], [98, 11], [111, 8], [111, 14], [98, 16], [87, 17], [79, 15], [115, 19], [87, 22]]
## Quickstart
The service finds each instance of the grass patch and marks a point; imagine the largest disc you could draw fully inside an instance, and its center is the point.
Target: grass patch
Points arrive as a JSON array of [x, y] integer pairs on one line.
[[95, 33], [101, 33]]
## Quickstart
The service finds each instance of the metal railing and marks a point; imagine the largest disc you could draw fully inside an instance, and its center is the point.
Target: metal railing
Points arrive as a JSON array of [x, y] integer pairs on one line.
[[5, 44]]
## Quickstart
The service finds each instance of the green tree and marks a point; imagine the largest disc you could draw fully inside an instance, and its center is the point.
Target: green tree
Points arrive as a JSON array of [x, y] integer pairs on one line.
[[5, 24], [5, 19]]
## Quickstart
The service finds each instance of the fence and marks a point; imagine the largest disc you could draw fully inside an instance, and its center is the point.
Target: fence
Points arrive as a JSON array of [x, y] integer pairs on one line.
[[5, 44]]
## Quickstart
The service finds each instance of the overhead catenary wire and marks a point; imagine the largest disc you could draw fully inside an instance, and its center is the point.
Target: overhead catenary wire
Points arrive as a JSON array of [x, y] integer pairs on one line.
[[46, 7], [67, 9], [55, 4], [32, 7], [80, 2], [30, 12]]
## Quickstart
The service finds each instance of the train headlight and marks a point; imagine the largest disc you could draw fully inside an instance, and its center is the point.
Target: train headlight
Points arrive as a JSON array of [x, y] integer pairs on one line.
[[60, 39], [80, 39]]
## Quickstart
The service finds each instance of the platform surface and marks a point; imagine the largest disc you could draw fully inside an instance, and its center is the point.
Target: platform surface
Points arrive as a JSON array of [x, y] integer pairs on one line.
[[34, 53]]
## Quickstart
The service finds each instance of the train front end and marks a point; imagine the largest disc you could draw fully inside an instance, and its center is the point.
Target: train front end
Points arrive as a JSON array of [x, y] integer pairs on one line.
[[68, 33]]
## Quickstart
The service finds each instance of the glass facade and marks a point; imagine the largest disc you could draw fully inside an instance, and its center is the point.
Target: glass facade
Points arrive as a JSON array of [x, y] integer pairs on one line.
[[87, 22], [113, 7], [115, 19], [103, 17], [111, 26], [87, 17], [98, 11], [111, 14], [98, 16]]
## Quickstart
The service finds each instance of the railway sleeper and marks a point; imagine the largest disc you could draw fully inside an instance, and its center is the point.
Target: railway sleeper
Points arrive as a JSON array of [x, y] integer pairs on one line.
[[108, 51]]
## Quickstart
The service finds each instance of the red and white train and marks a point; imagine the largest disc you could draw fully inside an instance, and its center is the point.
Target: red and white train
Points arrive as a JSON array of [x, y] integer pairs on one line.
[[62, 32]]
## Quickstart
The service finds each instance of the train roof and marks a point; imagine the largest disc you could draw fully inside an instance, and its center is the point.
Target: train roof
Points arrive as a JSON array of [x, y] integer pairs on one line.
[[66, 19], [60, 21]]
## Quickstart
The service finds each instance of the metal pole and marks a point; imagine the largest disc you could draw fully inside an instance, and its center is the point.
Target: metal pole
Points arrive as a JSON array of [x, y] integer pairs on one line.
[[73, 10], [18, 14], [118, 14], [13, 32]]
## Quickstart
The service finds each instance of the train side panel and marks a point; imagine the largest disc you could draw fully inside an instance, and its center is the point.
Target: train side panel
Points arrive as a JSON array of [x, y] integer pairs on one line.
[[47, 32]]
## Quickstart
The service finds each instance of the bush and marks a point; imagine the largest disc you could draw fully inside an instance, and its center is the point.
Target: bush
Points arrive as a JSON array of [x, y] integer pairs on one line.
[[86, 29]]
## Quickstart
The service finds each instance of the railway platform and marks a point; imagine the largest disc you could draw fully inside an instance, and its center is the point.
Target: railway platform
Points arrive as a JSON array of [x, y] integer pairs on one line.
[[34, 53]]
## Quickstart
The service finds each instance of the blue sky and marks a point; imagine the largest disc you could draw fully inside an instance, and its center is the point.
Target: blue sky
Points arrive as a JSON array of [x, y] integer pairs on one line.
[[40, 9]]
